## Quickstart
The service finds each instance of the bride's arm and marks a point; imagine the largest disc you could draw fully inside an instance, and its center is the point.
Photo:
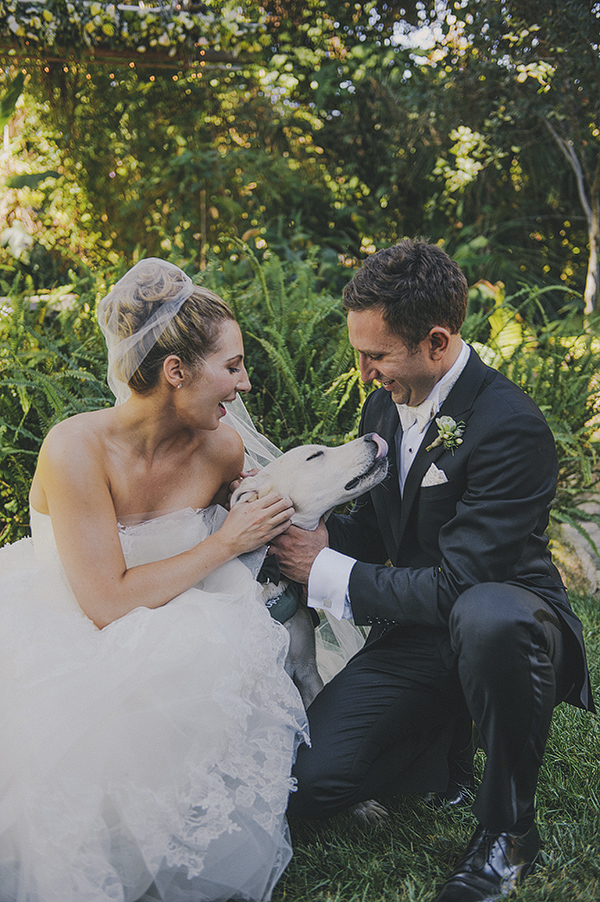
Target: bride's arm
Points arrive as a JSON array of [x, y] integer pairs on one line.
[[85, 528]]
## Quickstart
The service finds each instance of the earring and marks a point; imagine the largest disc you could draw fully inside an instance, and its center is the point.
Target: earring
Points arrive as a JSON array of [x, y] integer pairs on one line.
[[179, 386]]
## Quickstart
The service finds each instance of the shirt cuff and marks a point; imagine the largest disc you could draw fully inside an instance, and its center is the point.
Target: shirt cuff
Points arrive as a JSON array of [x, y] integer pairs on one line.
[[328, 583]]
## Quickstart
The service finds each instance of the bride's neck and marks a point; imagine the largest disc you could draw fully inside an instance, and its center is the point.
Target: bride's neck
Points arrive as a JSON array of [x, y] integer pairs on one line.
[[150, 427]]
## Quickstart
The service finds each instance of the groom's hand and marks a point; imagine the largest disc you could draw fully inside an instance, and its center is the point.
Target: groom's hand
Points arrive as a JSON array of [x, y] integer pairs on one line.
[[296, 550]]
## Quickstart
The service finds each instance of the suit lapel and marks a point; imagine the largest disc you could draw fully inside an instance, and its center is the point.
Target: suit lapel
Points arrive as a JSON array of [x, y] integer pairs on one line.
[[457, 405], [393, 499], [420, 465]]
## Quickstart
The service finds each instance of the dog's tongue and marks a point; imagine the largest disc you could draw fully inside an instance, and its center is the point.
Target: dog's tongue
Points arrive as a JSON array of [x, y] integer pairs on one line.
[[382, 446]]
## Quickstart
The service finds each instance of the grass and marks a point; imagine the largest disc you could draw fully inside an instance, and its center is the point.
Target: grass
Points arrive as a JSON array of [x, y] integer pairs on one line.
[[409, 859]]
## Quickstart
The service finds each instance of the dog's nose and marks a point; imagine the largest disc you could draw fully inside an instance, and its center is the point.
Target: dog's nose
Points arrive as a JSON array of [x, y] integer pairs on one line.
[[382, 445]]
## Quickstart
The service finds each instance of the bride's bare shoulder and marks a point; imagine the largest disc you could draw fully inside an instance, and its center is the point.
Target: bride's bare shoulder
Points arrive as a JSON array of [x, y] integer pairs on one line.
[[80, 425], [71, 456], [227, 447], [224, 458], [76, 436]]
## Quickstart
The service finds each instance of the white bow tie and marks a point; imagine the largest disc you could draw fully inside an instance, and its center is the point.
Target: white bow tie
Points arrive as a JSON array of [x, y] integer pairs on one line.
[[422, 415]]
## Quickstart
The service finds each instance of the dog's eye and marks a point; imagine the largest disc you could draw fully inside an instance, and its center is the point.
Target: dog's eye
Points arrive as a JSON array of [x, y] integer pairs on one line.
[[316, 454]]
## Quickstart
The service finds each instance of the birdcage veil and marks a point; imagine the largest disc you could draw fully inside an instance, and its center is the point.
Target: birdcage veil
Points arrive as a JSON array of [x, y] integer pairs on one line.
[[135, 313], [132, 317], [259, 450]]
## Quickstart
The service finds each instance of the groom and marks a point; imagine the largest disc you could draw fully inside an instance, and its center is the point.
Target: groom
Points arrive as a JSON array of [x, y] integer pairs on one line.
[[448, 562]]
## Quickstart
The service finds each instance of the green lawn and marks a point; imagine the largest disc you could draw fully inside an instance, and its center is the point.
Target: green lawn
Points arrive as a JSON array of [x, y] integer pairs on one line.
[[338, 861]]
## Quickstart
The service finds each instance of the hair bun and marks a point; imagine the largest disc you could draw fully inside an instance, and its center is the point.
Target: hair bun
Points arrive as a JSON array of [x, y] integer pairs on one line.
[[157, 281], [135, 312]]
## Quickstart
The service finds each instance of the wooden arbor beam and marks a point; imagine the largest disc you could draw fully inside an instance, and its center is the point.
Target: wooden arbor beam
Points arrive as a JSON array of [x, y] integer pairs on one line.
[[103, 56]]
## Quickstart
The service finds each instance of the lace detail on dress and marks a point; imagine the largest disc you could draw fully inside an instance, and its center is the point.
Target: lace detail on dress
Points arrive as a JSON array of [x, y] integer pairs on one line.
[[150, 759]]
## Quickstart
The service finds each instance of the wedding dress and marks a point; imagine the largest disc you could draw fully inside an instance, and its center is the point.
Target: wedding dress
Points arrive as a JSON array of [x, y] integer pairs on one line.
[[150, 759]]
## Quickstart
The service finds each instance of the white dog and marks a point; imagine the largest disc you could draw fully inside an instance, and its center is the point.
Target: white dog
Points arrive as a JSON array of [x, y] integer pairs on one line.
[[316, 479]]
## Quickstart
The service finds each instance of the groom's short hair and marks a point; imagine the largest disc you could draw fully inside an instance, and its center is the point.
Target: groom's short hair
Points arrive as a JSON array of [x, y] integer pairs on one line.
[[415, 285]]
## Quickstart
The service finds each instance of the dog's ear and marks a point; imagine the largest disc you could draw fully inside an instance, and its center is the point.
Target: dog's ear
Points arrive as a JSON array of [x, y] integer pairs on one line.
[[240, 495], [251, 488]]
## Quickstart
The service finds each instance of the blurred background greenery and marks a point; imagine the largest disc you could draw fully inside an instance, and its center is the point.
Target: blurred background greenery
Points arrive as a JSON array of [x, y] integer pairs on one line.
[[267, 148]]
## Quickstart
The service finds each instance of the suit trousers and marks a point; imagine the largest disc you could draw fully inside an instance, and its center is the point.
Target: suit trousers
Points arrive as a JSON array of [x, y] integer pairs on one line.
[[388, 722]]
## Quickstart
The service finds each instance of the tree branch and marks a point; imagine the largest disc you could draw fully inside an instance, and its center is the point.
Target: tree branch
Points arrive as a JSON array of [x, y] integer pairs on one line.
[[568, 149]]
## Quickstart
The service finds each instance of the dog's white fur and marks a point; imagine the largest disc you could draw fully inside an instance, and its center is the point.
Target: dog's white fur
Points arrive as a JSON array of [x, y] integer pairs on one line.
[[316, 479]]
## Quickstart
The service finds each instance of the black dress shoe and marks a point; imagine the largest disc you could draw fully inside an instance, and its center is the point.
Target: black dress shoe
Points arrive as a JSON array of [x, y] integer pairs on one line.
[[492, 866]]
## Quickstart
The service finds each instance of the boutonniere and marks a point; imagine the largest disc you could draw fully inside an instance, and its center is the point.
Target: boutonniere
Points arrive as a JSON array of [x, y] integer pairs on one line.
[[449, 434]]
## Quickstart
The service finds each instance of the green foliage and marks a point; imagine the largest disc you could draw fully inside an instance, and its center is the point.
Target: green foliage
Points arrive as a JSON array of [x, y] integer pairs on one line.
[[51, 366], [333, 129], [31, 180], [172, 166], [80, 25], [40, 233], [8, 101], [532, 74]]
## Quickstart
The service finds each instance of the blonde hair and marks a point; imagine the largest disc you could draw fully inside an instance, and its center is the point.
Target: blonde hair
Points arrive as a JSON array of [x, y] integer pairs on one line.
[[153, 311], [191, 335]]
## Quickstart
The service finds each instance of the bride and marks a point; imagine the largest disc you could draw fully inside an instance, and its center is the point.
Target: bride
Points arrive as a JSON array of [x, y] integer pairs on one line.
[[148, 726]]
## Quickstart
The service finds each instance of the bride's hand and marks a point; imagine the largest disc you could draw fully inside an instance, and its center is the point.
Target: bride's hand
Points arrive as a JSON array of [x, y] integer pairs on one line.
[[251, 524]]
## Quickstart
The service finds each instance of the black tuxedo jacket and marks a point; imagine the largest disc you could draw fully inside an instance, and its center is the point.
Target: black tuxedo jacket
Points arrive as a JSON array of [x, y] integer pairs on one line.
[[485, 524]]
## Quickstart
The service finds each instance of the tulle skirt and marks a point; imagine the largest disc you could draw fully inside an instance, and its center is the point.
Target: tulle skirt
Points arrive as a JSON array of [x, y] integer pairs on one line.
[[148, 760]]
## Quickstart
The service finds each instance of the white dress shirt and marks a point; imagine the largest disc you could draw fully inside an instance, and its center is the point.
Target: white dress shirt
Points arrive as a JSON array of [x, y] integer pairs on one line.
[[329, 577]]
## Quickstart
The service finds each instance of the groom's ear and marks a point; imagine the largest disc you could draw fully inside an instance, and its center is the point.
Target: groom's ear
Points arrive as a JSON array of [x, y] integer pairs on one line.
[[439, 341]]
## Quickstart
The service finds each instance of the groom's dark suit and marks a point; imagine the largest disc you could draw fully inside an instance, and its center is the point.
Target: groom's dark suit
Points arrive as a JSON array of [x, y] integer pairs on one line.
[[472, 609]]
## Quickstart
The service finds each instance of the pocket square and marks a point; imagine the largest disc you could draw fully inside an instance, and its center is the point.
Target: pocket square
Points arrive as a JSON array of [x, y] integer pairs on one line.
[[434, 476]]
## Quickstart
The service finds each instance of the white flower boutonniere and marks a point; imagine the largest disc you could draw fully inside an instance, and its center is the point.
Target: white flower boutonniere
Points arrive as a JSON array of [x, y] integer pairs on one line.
[[449, 434]]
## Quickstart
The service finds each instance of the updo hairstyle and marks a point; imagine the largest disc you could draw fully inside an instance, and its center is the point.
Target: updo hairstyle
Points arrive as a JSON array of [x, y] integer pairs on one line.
[[192, 334], [154, 311]]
